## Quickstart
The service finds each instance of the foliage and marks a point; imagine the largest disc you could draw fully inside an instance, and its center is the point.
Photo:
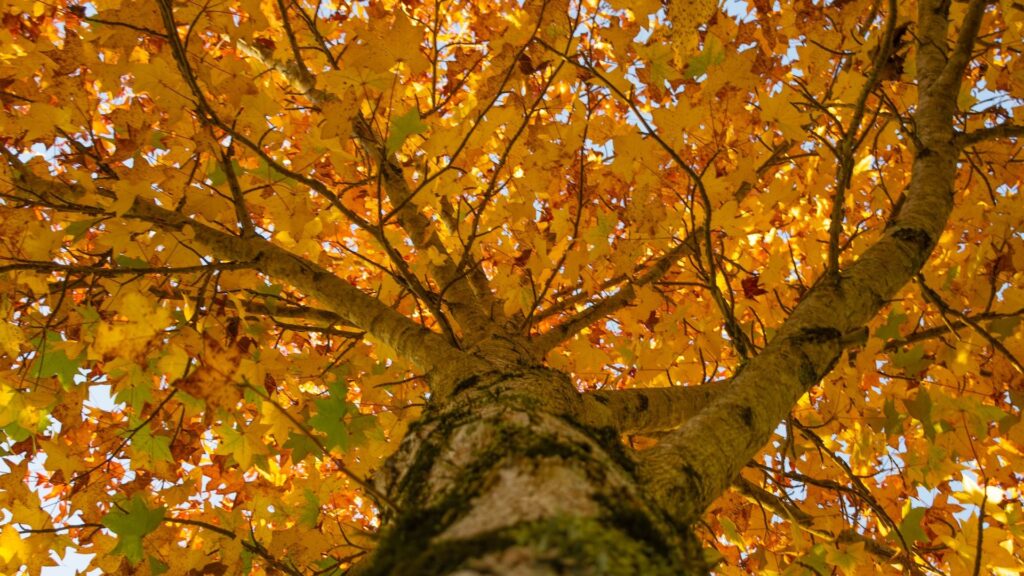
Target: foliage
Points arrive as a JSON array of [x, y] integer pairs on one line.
[[648, 190]]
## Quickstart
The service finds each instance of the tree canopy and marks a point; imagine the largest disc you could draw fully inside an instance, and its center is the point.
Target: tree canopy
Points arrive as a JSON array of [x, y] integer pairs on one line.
[[778, 248]]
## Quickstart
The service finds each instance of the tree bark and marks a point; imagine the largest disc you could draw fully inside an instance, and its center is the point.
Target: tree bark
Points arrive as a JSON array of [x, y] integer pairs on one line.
[[502, 479]]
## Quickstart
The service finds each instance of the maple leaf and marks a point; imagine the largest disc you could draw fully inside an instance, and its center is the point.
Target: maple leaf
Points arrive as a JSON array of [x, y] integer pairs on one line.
[[403, 127], [752, 287], [330, 417], [132, 522], [12, 547]]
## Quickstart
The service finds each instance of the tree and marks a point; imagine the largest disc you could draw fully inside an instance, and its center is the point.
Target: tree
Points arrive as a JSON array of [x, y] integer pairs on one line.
[[554, 287]]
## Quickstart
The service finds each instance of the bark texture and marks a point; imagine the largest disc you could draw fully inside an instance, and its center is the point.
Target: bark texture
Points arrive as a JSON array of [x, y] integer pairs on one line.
[[503, 480]]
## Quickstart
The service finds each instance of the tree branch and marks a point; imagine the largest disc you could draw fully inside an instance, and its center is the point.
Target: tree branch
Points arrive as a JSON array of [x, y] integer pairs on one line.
[[950, 326], [933, 297], [428, 350], [647, 410], [789, 511], [627, 293], [962, 53], [848, 144], [51, 267], [555, 336], [298, 75], [252, 546], [1004, 130], [692, 465], [467, 305]]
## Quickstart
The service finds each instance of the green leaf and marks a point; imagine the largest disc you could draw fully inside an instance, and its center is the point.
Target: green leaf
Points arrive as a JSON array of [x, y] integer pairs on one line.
[[89, 315], [137, 392], [598, 234], [731, 532], [309, 512], [78, 229], [128, 262], [328, 567], [951, 275], [893, 420], [218, 176], [911, 361], [910, 527], [362, 427], [269, 289], [921, 409], [815, 559], [982, 415], [132, 522], [14, 432], [234, 444], [330, 416], [891, 329], [156, 567], [1004, 327], [402, 127], [55, 362], [301, 446], [333, 427], [842, 559], [660, 63], [246, 558], [712, 54], [156, 447]]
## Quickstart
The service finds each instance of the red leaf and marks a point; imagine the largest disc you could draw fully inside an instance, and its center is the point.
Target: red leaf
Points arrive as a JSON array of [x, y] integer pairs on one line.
[[651, 321], [752, 287], [523, 257]]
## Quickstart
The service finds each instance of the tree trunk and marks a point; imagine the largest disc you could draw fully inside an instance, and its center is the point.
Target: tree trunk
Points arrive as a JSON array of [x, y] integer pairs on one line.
[[500, 479]]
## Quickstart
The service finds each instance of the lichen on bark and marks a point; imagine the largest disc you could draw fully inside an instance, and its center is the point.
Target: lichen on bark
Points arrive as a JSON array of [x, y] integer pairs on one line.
[[500, 479]]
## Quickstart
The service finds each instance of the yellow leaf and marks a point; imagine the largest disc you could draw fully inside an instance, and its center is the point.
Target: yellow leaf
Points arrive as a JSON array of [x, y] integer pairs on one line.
[[337, 119], [846, 559], [10, 339], [435, 257], [235, 444], [173, 362], [12, 546], [274, 472], [280, 425]]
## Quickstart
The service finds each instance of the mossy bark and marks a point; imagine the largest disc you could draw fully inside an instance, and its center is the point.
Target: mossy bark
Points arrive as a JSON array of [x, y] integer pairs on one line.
[[500, 479]]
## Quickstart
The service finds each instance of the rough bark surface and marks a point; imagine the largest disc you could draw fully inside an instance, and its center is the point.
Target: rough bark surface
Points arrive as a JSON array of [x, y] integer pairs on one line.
[[503, 480]]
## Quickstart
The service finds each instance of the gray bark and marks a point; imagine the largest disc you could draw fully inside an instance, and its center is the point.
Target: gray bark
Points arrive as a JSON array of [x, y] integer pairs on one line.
[[502, 479]]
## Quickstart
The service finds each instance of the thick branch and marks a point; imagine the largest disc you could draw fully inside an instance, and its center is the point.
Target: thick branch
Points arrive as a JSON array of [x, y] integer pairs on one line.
[[691, 466], [1005, 130], [428, 350], [467, 305], [647, 410], [544, 343], [652, 410], [962, 52]]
